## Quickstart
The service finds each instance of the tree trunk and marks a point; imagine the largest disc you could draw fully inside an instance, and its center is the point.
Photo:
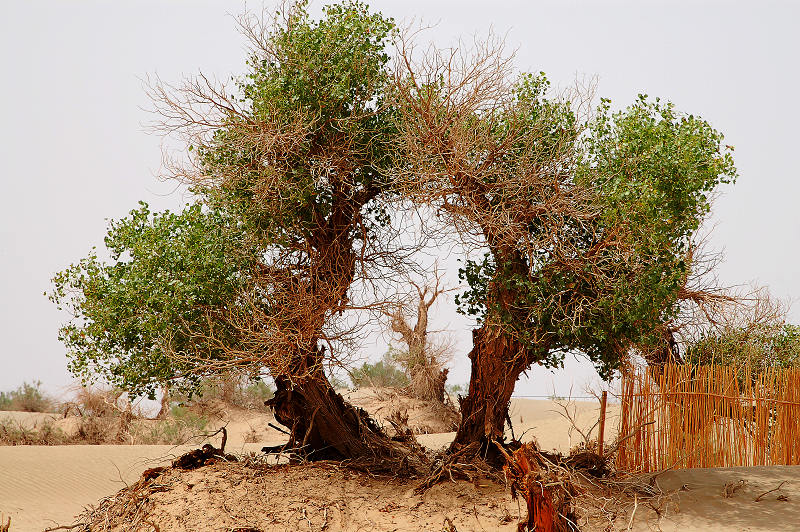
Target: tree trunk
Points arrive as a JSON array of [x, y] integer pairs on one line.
[[323, 426], [164, 409], [427, 381], [497, 361]]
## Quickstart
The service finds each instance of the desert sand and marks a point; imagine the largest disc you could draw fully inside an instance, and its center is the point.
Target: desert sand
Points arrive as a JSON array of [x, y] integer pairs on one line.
[[44, 487]]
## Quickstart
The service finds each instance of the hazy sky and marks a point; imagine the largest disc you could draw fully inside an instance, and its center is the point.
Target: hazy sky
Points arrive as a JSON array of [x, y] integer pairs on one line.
[[73, 150]]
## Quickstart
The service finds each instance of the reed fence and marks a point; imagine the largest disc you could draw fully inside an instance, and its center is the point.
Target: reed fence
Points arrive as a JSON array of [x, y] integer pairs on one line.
[[682, 416]]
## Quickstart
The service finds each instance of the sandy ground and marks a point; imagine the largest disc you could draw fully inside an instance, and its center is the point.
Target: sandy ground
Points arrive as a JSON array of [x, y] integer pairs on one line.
[[44, 486], [548, 423], [695, 499], [47, 486]]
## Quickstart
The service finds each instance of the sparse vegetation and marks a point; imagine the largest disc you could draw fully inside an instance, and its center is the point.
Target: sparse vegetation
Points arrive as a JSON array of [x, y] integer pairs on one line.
[[14, 432], [230, 389], [456, 388], [385, 373], [96, 416], [28, 397]]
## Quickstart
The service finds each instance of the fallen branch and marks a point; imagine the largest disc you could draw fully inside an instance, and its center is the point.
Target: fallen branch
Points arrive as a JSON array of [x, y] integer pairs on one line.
[[758, 499], [278, 428]]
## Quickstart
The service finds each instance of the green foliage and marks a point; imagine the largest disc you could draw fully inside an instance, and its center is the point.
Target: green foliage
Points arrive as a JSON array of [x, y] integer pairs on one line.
[[318, 99], [136, 316], [298, 160], [456, 388], [654, 170], [606, 283], [27, 398], [759, 347], [16, 433], [477, 275], [255, 393], [183, 427], [384, 373]]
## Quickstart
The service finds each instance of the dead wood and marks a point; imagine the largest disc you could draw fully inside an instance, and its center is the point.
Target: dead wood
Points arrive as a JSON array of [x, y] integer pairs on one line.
[[546, 488], [731, 488], [757, 499], [207, 454], [153, 472]]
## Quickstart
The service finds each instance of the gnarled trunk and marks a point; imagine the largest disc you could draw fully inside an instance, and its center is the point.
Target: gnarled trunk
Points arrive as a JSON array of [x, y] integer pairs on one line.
[[427, 382], [497, 361], [323, 426]]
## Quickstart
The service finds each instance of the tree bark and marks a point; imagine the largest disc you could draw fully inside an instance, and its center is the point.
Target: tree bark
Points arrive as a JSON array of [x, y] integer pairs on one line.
[[497, 361], [323, 426], [164, 409], [427, 383]]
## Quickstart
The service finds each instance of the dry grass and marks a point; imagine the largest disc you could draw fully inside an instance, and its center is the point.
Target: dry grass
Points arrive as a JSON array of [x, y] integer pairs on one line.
[[27, 398], [97, 417]]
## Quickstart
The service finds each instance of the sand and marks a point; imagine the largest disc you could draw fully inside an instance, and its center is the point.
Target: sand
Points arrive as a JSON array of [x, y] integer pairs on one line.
[[48, 486], [696, 500], [548, 424], [44, 486]]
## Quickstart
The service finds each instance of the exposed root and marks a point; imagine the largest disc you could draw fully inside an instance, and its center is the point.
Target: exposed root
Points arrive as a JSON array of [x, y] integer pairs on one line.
[[547, 489], [464, 464]]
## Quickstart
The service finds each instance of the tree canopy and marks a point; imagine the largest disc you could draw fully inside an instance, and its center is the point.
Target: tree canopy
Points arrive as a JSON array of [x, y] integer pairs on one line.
[[582, 222], [142, 318]]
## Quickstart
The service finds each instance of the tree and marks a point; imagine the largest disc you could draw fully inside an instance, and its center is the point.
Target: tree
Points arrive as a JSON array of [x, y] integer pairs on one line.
[[298, 155], [759, 347], [584, 224], [750, 331], [384, 373], [422, 359], [303, 158]]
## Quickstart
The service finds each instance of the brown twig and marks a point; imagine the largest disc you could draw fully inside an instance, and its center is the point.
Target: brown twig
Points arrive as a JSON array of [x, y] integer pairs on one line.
[[757, 499]]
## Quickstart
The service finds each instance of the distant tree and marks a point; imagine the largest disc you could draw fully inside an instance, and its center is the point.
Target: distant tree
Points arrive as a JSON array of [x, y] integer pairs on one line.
[[423, 360], [28, 397], [759, 347], [384, 373]]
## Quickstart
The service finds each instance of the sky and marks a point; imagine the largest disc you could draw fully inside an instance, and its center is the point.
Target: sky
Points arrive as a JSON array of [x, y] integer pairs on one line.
[[75, 150]]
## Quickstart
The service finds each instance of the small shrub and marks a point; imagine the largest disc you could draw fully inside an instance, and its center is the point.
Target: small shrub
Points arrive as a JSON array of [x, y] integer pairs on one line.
[[96, 430], [97, 402], [5, 401], [181, 427], [15, 433], [253, 395], [235, 390], [456, 388], [27, 398], [384, 373]]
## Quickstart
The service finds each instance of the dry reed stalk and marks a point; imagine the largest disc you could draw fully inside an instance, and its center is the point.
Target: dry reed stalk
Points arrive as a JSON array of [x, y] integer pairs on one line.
[[709, 416]]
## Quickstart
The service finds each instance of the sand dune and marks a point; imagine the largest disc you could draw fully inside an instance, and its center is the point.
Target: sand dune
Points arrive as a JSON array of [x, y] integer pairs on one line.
[[44, 486], [695, 500], [47, 486]]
